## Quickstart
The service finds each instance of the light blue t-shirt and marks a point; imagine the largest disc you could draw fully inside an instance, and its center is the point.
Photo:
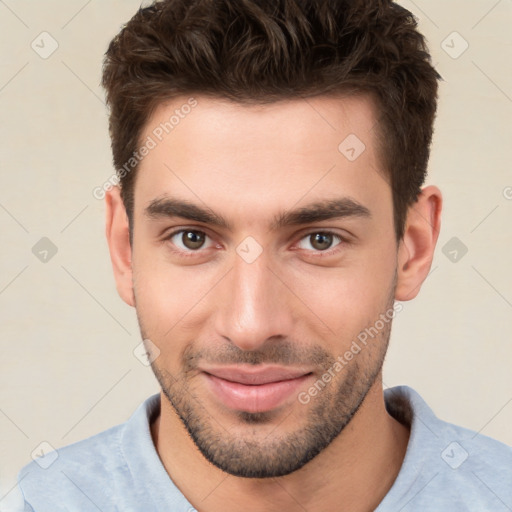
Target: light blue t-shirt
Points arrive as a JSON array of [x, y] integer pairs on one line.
[[446, 468]]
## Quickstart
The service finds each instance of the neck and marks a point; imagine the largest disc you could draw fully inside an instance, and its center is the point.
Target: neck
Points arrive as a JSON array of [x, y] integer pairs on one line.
[[353, 473]]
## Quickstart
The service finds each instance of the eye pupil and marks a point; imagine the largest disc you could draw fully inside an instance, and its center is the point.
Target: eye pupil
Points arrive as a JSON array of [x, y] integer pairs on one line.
[[321, 241], [192, 239]]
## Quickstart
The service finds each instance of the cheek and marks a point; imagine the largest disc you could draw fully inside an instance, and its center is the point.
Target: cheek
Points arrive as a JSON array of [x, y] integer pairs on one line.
[[175, 304], [344, 301], [164, 294]]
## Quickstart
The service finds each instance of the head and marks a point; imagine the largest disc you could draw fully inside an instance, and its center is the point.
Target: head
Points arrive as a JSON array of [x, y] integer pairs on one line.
[[289, 141]]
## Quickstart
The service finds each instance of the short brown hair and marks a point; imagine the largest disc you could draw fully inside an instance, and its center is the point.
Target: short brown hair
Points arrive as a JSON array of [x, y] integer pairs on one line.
[[262, 51]]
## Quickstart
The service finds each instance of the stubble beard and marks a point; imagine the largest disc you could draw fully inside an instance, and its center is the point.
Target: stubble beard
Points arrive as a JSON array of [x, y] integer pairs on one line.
[[277, 454]]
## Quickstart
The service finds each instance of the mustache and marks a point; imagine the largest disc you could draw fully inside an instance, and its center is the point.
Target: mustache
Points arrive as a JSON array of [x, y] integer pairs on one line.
[[283, 353]]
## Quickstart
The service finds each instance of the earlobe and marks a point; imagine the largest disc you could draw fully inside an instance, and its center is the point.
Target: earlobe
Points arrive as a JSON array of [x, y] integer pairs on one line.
[[118, 237], [416, 250]]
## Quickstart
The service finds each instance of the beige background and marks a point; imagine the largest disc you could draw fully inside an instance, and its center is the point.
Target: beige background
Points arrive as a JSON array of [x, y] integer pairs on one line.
[[67, 369]]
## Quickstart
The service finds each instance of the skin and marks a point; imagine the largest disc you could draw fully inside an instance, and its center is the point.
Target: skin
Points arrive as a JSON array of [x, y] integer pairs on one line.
[[292, 305]]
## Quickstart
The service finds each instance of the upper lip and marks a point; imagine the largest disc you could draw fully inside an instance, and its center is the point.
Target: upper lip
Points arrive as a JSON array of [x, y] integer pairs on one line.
[[255, 375]]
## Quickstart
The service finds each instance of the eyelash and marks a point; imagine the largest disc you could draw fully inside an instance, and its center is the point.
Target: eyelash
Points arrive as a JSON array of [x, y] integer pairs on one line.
[[317, 254]]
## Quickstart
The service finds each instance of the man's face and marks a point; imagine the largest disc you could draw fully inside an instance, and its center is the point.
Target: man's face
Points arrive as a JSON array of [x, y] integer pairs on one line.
[[249, 313]]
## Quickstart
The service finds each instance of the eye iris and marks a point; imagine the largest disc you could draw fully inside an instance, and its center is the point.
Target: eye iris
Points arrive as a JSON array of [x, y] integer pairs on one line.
[[192, 239], [321, 241], [195, 239]]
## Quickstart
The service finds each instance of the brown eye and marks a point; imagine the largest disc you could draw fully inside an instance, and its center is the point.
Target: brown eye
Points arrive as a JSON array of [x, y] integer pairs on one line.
[[188, 240], [192, 239], [319, 241]]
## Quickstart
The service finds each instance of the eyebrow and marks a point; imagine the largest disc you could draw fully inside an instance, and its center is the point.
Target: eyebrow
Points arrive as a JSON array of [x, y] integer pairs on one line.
[[343, 207]]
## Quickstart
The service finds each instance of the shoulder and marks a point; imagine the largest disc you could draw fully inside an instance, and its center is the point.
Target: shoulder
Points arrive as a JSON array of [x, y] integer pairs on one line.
[[90, 473], [73, 472], [446, 464], [470, 469], [425, 424], [478, 467]]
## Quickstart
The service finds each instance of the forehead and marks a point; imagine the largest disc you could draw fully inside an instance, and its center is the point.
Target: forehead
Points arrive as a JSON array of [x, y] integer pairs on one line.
[[261, 126], [261, 156]]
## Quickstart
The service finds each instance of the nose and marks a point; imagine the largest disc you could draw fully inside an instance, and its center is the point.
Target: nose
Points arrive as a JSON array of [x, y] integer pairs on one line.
[[255, 305]]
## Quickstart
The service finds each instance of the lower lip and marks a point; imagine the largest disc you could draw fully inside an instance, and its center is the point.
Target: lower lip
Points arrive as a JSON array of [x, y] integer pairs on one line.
[[254, 398]]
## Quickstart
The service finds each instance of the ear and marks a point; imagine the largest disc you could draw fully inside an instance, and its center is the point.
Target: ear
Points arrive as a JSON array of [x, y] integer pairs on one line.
[[118, 237], [416, 250]]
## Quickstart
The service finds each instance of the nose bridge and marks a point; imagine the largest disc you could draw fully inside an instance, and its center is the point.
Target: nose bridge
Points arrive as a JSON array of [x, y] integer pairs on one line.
[[254, 304]]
